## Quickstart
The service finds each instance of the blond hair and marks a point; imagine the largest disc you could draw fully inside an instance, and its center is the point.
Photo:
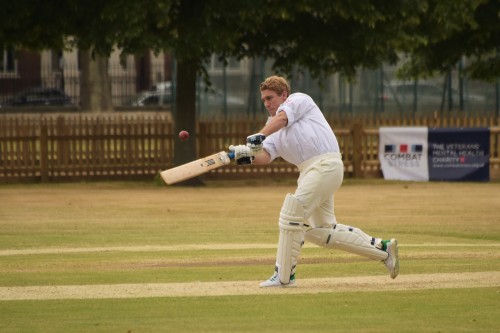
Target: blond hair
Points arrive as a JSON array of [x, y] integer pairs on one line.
[[277, 84]]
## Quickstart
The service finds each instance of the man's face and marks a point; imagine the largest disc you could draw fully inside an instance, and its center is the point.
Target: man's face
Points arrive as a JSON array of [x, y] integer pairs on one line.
[[272, 100]]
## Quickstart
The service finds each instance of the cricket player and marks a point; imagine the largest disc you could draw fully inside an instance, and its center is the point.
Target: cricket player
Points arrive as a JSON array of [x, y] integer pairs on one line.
[[298, 132]]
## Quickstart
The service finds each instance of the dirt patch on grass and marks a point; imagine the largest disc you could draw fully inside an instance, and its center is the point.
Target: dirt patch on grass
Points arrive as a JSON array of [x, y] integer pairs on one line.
[[305, 286]]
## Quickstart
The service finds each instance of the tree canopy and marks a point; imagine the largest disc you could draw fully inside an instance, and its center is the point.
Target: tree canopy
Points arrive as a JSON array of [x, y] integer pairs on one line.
[[449, 30], [322, 36]]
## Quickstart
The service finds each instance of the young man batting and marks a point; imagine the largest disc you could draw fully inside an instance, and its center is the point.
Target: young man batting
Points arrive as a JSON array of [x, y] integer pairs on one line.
[[298, 132]]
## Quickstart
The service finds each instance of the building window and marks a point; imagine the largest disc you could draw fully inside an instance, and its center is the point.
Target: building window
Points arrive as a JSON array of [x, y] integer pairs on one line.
[[8, 62]]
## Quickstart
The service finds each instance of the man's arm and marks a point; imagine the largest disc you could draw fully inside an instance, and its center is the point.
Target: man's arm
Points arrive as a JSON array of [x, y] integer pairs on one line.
[[275, 124], [262, 158], [254, 141]]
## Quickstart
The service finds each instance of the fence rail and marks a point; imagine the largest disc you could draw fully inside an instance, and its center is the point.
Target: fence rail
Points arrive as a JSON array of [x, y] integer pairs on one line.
[[55, 148]]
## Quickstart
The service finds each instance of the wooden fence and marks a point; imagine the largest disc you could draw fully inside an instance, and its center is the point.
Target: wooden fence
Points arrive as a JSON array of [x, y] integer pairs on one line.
[[46, 148]]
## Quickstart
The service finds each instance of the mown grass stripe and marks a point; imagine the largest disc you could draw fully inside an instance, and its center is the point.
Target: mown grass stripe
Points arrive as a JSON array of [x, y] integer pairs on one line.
[[190, 247]]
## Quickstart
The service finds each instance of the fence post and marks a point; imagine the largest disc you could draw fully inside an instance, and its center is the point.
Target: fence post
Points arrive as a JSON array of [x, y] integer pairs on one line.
[[357, 137], [44, 153], [61, 140]]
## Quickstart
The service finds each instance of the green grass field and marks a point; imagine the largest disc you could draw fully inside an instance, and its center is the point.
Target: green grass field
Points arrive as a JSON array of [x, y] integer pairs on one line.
[[140, 257]]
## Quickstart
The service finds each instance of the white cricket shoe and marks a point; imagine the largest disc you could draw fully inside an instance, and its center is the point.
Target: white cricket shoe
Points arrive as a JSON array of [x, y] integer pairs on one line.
[[274, 281], [392, 261]]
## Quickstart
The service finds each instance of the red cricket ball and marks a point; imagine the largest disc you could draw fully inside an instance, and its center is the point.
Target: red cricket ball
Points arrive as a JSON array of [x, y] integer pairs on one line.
[[183, 135]]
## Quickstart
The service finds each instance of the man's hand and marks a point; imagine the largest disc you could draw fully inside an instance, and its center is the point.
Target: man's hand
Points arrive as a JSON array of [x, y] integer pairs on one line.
[[254, 141], [243, 155]]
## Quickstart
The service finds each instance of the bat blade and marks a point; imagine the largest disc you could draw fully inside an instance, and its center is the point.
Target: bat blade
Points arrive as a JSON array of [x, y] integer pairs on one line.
[[195, 168]]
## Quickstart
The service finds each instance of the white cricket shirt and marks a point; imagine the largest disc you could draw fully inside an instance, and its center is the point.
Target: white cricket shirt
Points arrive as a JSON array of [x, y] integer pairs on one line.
[[306, 135]]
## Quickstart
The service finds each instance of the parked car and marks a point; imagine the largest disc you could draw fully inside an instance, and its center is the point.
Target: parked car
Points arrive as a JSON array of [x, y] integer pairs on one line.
[[38, 97]]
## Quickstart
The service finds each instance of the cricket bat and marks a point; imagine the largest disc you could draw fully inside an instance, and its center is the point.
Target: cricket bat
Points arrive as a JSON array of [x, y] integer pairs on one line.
[[196, 168]]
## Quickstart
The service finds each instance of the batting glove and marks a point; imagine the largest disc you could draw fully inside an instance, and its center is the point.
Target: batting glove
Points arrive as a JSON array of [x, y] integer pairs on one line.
[[243, 155], [254, 141]]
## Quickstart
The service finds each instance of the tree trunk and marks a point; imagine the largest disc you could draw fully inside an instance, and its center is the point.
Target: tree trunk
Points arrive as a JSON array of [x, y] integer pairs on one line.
[[185, 116], [95, 88]]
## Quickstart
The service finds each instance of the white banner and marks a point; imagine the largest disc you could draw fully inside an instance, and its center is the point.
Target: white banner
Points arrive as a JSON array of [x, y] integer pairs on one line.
[[403, 153]]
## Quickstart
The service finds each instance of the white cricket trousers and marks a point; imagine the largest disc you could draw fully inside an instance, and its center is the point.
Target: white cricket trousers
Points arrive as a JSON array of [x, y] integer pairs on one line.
[[320, 177]]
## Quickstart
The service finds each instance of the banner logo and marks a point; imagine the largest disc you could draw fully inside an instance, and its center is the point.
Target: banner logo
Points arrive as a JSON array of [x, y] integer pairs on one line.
[[403, 155]]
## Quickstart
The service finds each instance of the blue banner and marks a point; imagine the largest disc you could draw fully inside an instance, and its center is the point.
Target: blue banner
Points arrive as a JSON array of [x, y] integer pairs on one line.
[[459, 154]]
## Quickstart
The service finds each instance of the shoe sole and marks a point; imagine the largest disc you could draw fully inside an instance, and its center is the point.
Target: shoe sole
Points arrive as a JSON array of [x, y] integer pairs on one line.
[[394, 255], [280, 286], [290, 285]]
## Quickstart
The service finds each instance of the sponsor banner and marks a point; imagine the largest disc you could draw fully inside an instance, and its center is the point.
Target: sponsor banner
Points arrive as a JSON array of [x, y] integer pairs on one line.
[[403, 153], [459, 154], [421, 154]]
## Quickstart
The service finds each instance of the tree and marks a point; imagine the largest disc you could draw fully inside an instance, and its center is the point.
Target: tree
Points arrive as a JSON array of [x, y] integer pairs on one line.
[[332, 37], [448, 30]]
